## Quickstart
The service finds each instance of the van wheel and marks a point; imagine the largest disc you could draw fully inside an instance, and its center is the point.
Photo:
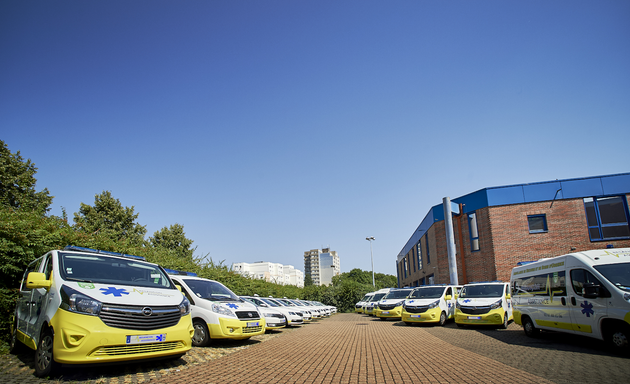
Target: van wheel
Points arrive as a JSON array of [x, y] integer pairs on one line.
[[619, 338], [44, 360], [506, 321], [201, 337], [529, 328], [442, 318]]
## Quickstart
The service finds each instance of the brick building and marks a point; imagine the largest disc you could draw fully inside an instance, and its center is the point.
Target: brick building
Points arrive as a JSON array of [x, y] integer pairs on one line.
[[494, 228]]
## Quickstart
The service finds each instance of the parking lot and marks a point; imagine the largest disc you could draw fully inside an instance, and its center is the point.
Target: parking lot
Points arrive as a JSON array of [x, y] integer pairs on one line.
[[354, 348]]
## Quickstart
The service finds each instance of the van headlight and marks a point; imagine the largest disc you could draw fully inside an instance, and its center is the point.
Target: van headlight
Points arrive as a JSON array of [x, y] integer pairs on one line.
[[398, 304], [626, 296], [457, 305], [216, 308], [434, 304], [184, 307], [75, 301], [496, 305]]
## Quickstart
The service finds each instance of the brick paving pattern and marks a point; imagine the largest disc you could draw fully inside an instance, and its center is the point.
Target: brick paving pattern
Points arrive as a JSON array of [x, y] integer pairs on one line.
[[357, 349]]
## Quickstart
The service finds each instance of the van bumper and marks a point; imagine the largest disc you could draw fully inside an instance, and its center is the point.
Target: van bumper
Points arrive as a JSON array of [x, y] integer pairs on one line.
[[494, 317], [389, 313], [429, 316], [84, 339], [230, 328]]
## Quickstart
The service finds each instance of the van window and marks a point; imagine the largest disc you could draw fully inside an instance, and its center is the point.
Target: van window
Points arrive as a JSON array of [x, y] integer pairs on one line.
[[617, 274], [490, 290], [49, 266], [101, 269], [32, 267], [579, 277], [449, 291], [545, 284]]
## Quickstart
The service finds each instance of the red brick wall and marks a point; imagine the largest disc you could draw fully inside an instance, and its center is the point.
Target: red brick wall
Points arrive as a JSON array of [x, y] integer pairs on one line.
[[505, 240]]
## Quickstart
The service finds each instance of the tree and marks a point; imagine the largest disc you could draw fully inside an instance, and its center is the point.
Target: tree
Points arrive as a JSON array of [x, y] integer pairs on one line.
[[308, 280], [17, 183], [108, 217], [174, 239]]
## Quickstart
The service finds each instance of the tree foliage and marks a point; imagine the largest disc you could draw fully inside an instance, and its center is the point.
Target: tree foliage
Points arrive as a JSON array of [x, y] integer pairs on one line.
[[173, 239], [17, 183], [109, 218]]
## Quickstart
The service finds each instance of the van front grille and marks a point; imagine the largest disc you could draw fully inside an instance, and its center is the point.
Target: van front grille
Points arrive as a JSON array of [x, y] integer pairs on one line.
[[247, 315], [121, 350], [474, 310], [417, 309], [139, 318], [252, 329]]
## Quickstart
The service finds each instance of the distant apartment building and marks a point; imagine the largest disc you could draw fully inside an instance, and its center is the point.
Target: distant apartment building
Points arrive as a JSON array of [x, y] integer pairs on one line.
[[321, 265], [271, 272]]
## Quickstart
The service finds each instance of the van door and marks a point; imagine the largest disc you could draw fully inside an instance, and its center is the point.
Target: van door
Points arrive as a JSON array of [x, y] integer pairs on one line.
[[586, 312], [24, 304], [450, 304], [39, 301]]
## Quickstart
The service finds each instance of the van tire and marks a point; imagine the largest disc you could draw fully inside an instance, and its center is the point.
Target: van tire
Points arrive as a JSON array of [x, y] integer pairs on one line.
[[506, 321], [45, 364], [442, 319], [529, 328], [201, 337], [619, 337]]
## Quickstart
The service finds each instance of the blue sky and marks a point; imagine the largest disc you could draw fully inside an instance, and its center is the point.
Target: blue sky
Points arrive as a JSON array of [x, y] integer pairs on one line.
[[269, 128]]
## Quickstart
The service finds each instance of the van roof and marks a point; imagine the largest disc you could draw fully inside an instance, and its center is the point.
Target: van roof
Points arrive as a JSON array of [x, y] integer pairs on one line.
[[595, 257]]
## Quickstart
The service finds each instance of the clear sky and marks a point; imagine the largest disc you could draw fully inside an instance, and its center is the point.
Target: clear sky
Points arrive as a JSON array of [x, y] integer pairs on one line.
[[269, 128]]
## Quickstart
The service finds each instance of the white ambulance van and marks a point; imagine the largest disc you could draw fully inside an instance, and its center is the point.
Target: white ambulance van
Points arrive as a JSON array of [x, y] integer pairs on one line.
[[485, 303], [390, 306], [431, 304], [370, 306], [217, 313], [585, 293], [85, 306]]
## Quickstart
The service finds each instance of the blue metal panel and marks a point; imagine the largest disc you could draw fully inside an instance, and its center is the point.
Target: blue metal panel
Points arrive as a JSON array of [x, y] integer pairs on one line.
[[577, 188], [505, 195], [616, 184], [473, 201], [542, 191]]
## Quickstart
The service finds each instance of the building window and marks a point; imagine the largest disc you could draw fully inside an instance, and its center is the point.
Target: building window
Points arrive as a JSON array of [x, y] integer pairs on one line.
[[431, 280], [426, 241], [405, 266], [419, 252], [607, 218], [537, 223], [473, 231], [411, 255]]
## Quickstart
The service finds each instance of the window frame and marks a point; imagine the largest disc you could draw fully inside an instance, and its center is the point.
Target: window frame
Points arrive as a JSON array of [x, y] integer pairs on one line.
[[599, 225], [545, 229], [473, 216]]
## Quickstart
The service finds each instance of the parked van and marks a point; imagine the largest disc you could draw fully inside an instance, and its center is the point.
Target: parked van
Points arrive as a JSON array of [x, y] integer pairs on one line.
[[390, 306], [487, 303], [370, 306], [274, 319], [83, 306], [217, 313], [359, 306], [431, 304], [585, 293]]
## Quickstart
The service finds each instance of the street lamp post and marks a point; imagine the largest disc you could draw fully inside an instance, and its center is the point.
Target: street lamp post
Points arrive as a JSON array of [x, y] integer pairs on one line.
[[370, 239]]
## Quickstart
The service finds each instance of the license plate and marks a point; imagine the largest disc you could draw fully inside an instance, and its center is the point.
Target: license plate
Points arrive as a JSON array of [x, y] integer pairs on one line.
[[385, 312], [474, 317], [253, 324], [418, 316], [141, 339]]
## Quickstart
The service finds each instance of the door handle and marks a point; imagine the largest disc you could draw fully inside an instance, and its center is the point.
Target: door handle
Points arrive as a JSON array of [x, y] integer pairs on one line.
[[563, 301], [573, 300]]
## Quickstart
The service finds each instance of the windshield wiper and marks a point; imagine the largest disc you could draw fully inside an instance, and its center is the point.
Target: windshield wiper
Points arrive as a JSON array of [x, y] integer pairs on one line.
[[79, 280]]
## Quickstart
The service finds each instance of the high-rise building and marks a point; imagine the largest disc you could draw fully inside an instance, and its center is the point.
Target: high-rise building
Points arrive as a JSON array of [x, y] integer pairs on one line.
[[271, 272], [321, 265]]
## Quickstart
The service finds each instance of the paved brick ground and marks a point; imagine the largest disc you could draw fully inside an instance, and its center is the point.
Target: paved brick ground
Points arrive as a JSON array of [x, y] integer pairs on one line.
[[354, 349], [357, 349]]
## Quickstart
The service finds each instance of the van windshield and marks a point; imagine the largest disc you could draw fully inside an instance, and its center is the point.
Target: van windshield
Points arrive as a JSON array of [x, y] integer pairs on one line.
[[489, 290], [95, 268], [617, 274], [427, 293], [211, 290], [377, 297], [398, 294]]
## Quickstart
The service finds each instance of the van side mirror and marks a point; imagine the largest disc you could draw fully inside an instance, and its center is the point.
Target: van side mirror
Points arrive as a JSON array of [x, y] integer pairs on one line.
[[448, 297], [179, 287], [37, 280], [508, 296], [591, 290]]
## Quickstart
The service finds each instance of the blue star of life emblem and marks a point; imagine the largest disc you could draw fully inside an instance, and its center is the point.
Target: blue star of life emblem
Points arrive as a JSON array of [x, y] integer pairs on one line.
[[587, 308], [233, 306], [467, 301], [114, 291]]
